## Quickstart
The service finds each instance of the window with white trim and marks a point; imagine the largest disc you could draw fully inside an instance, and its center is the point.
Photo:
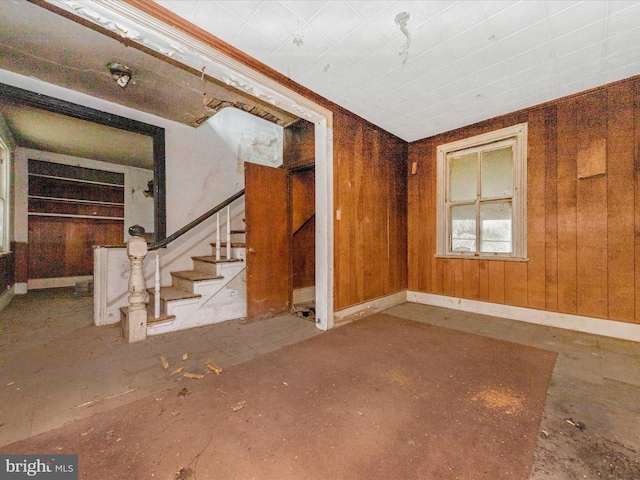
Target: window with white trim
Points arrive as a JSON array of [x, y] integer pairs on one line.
[[482, 196]]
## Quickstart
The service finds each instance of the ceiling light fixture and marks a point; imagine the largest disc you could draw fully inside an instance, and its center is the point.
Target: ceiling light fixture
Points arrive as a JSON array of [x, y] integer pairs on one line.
[[120, 73], [401, 20]]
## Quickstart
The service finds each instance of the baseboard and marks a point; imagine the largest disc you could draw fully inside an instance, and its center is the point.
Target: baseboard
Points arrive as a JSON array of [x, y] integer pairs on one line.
[[37, 283], [6, 297], [361, 310], [20, 288], [597, 326]]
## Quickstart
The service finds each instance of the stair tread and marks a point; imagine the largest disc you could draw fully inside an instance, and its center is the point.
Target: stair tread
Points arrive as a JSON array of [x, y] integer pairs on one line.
[[162, 318], [233, 244], [212, 259], [173, 293], [196, 275]]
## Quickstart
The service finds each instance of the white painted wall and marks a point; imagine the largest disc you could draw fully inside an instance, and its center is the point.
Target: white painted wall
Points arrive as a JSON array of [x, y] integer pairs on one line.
[[203, 165], [200, 174], [208, 167]]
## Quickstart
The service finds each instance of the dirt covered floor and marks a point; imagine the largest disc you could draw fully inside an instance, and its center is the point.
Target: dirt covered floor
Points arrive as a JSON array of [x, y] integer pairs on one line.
[[589, 431], [59, 369], [381, 398]]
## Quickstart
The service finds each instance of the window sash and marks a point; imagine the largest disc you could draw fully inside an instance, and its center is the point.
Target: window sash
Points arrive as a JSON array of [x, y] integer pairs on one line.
[[514, 197], [464, 168]]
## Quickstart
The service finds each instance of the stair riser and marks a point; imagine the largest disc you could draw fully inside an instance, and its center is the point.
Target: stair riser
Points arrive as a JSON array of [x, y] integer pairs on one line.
[[195, 286], [182, 283], [236, 252], [223, 269], [230, 270], [206, 267], [186, 318]]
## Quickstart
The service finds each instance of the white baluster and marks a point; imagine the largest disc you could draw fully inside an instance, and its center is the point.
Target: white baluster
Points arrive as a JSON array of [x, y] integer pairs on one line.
[[228, 233], [156, 296], [217, 236]]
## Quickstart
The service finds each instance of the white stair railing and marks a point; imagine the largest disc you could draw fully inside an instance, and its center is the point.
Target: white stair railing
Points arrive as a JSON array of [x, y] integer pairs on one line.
[[156, 291], [217, 236], [228, 232]]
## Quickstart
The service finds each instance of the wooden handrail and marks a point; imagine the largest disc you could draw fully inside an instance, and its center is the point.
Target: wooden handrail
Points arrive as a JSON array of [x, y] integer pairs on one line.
[[196, 222]]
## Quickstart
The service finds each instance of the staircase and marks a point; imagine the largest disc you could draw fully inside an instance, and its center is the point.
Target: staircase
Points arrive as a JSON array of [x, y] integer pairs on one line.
[[213, 291]]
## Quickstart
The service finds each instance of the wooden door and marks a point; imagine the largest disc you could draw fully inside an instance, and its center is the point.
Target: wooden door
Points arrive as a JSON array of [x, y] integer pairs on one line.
[[268, 241]]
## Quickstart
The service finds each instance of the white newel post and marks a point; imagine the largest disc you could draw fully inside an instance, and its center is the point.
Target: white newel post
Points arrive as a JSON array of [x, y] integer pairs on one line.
[[135, 328]]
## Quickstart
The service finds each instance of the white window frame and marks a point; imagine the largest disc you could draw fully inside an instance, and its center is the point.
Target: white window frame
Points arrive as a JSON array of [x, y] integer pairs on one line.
[[519, 199]]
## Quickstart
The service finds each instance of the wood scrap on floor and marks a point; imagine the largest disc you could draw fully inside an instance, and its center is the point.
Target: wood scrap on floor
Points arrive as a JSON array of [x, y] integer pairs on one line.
[[213, 367]]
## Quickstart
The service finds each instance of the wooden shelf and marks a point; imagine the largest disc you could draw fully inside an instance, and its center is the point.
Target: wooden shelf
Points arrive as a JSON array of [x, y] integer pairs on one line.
[[74, 192], [70, 209]]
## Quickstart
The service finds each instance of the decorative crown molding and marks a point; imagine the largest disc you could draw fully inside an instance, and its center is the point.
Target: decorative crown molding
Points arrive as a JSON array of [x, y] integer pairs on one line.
[[139, 27]]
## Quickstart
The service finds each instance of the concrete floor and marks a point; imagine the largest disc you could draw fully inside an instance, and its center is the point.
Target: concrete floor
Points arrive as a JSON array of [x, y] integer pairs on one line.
[[56, 367]]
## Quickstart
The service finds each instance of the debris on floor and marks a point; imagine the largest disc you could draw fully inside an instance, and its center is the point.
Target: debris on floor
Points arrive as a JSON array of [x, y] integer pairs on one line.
[[305, 310], [195, 376], [185, 356], [185, 474], [239, 406], [165, 362], [184, 392], [84, 288], [213, 367], [579, 425], [177, 370]]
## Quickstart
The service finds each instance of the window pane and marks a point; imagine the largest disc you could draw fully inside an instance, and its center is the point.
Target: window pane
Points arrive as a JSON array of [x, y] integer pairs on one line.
[[463, 228], [463, 171], [497, 173], [495, 227]]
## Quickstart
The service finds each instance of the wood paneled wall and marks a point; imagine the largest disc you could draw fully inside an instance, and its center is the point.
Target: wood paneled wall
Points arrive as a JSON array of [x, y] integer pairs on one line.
[[583, 233], [370, 186], [63, 247], [6, 271], [370, 199], [299, 145], [21, 258], [302, 188]]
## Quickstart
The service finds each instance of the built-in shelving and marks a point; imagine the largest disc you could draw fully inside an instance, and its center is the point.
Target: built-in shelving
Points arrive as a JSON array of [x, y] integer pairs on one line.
[[74, 192], [71, 209]]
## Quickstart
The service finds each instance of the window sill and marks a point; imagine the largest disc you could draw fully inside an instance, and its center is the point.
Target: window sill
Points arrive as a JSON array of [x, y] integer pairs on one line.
[[482, 257]]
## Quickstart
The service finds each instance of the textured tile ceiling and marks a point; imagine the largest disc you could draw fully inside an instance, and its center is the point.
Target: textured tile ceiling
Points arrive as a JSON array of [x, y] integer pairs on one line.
[[467, 60]]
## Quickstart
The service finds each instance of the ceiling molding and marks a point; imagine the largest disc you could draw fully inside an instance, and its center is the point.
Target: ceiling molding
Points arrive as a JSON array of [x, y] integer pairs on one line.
[[135, 25]]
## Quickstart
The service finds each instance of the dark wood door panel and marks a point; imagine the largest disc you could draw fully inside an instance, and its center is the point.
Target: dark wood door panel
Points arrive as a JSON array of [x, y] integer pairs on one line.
[[268, 241]]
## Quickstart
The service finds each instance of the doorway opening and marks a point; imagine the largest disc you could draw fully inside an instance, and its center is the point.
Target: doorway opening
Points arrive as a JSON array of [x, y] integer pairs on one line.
[[281, 229], [63, 201]]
